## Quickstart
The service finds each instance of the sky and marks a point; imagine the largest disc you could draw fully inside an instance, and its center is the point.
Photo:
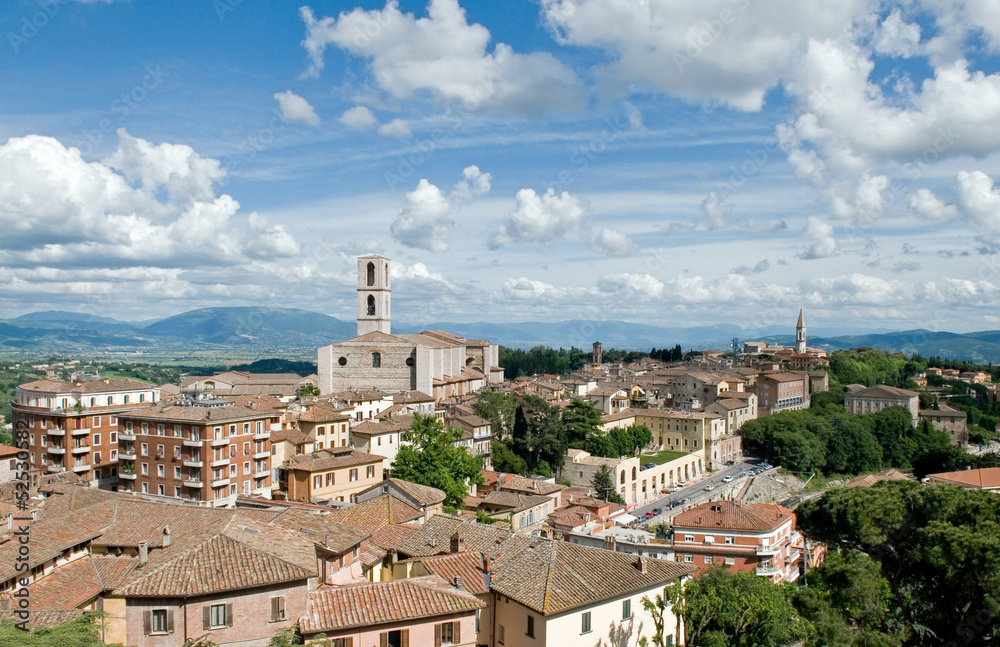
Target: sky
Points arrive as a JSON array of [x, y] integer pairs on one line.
[[670, 162]]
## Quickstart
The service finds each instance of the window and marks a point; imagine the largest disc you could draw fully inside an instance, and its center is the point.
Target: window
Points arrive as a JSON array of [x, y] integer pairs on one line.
[[376, 360], [159, 470], [371, 471], [623, 478], [159, 430], [709, 559], [111, 399], [44, 440], [371, 306], [448, 633], [688, 537], [217, 616], [158, 621], [278, 608], [113, 437], [97, 458], [730, 540], [689, 559], [145, 488], [585, 623], [114, 455], [177, 473], [397, 638], [232, 470], [353, 474], [160, 490], [370, 273], [246, 467], [112, 420], [318, 481], [97, 421], [144, 449], [177, 491], [329, 479], [626, 609], [145, 468], [177, 431], [246, 449], [531, 627], [500, 634]]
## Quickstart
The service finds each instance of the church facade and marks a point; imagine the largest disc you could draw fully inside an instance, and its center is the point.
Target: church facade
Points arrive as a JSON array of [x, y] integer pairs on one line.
[[434, 362]]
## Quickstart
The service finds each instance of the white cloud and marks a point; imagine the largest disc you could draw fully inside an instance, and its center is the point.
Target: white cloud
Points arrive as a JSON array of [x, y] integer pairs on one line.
[[929, 207], [427, 216], [896, 37], [358, 118], [182, 172], [712, 207], [416, 271], [755, 226], [643, 286], [395, 128], [699, 50], [444, 55], [634, 116], [295, 108], [540, 219], [613, 243], [819, 234]]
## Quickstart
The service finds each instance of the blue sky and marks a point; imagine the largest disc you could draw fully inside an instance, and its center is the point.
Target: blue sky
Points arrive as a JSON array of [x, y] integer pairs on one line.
[[675, 162]]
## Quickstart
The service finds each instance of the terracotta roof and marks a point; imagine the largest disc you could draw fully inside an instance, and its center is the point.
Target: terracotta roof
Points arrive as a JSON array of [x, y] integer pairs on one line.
[[423, 494], [551, 576], [43, 618], [205, 415], [7, 450], [514, 501], [375, 513], [324, 528], [393, 536], [326, 459], [731, 404], [675, 413], [293, 436], [942, 413], [371, 554], [384, 602], [434, 537], [323, 414], [407, 397], [468, 565], [985, 478], [891, 474], [883, 391], [90, 386], [66, 588], [370, 428], [781, 377], [516, 483], [731, 515]]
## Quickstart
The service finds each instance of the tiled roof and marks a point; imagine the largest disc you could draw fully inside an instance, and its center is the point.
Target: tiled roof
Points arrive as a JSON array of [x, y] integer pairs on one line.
[[675, 413], [371, 554], [331, 459], [551, 576], [391, 537], [375, 513], [515, 501], [66, 588], [293, 436], [942, 413], [732, 515], [363, 605], [518, 483], [423, 494], [883, 391], [370, 428], [434, 537], [468, 565], [322, 528], [731, 404], [90, 386], [408, 397], [7, 450], [321, 413], [206, 415], [986, 478], [43, 618]]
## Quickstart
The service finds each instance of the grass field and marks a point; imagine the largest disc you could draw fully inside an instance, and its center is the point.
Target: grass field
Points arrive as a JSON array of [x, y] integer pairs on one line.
[[663, 457]]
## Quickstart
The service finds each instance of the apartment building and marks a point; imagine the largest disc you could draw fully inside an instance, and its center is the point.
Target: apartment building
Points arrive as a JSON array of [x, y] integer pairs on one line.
[[208, 451], [331, 474], [861, 399], [778, 392], [73, 426]]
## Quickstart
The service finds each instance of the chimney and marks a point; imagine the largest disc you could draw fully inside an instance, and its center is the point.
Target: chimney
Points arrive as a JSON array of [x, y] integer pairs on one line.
[[143, 553], [457, 543], [641, 564], [458, 582], [166, 536]]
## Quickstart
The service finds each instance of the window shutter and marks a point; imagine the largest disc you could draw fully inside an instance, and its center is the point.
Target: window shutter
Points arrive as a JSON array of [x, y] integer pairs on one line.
[[348, 642], [384, 639], [437, 635], [281, 607], [170, 621], [206, 616], [229, 615], [458, 632], [147, 622], [404, 638], [274, 609]]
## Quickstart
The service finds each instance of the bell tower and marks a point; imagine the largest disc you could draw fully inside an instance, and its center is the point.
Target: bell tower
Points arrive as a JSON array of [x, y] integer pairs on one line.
[[800, 334], [373, 295]]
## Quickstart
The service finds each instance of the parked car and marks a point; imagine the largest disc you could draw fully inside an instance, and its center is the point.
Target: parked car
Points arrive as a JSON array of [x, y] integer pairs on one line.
[[709, 488], [727, 479], [682, 484], [649, 515], [657, 511]]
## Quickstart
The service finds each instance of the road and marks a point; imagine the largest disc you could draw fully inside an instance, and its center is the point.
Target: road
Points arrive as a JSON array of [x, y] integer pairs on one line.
[[696, 491]]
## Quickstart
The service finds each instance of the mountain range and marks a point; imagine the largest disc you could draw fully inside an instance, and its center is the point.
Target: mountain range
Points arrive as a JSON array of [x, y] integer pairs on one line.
[[273, 329]]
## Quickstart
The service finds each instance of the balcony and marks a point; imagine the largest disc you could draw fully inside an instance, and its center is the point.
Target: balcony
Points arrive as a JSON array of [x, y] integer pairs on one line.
[[264, 473], [55, 432], [793, 557], [54, 468], [221, 462], [768, 569], [261, 490], [261, 455], [194, 463], [219, 442], [127, 455], [80, 432], [82, 467], [262, 435], [189, 442], [768, 550], [126, 435], [195, 483], [80, 449], [130, 476], [55, 450], [220, 482]]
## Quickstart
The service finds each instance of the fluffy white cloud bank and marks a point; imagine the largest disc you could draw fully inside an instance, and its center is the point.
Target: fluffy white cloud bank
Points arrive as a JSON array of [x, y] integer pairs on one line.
[[444, 55], [148, 213], [427, 216], [295, 108]]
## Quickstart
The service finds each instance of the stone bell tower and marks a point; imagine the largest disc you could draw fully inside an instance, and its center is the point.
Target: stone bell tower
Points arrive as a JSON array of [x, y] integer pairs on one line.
[[800, 334], [373, 295]]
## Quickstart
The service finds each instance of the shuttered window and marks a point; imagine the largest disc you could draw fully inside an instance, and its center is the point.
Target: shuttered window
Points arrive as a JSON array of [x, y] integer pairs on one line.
[[278, 608], [217, 616], [448, 633], [158, 621]]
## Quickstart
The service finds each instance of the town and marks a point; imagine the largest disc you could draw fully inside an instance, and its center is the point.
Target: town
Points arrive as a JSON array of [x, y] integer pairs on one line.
[[411, 493]]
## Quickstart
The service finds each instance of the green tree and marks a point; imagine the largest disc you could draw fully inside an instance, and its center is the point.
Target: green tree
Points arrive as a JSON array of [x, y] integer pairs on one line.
[[604, 486], [582, 420], [505, 460], [83, 631], [937, 546], [722, 608], [499, 409], [431, 458], [852, 447]]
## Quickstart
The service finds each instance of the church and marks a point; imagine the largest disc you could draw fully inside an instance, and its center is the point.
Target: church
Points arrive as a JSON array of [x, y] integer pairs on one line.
[[434, 362]]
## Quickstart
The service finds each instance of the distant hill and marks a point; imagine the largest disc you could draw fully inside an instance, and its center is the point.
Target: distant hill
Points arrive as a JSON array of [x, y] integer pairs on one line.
[[61, 316], [254, 325], [980, 347]]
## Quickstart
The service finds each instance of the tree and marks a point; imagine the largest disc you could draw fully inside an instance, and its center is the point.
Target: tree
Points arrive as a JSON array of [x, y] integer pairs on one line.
[[82, 631], [937, 546], [498, 408], [538, 434], [287, 637], [722, 608], [505, 460], [582, 420], [604, 486], [432, 459], [852, 447]]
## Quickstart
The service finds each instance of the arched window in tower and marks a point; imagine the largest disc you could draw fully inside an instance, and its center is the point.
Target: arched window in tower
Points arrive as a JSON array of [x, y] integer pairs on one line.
[[386, 275], [376, 360], [371, 305], [371, 274]]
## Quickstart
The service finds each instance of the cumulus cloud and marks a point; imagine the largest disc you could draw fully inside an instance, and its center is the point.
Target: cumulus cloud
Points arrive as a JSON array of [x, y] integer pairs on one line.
[[644, 286], [540, 219], [445, 56], [395, 128], [358, 118], [295, 108], [613, 243], [896, 37], [427, 216], [819, 235], [744, 270], [714, 212], [755, 226]]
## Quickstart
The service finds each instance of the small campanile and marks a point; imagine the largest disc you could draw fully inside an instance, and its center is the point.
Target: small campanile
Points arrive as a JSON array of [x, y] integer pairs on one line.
[[800, 334], [373, 295]]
